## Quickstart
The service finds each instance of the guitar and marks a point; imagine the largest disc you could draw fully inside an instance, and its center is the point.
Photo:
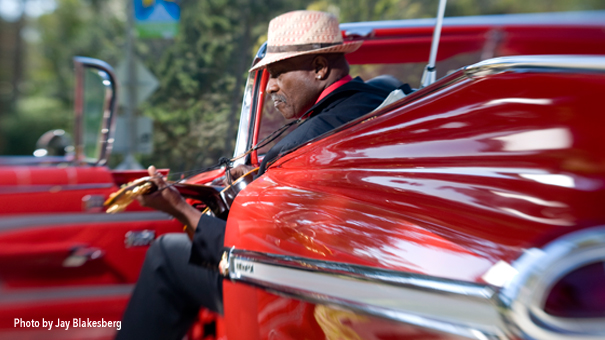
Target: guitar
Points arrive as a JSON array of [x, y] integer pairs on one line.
[[217, 199]]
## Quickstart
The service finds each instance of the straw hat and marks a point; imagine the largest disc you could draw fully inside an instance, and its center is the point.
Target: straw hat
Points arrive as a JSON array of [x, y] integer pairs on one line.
[[304, 32]]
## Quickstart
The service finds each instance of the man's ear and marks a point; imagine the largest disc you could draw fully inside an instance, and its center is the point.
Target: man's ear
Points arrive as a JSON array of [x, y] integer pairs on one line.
[[321, 67]]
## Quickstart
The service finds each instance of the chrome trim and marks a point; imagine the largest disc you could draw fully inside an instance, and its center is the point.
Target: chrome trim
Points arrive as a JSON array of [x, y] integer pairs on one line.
[[545, 63], [582, 18], [139, 238], [33, 160], [18, 189], [461, 308], [246, 120], [359, 32], [45, 295], [260, 54], [81, 254], [109, 110], [539, 269], [76, 219], [248, 112], [415, 299]]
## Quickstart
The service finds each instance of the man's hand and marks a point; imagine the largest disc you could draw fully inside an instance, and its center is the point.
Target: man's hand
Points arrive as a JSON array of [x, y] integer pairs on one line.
[[167, 199], [238, 172]]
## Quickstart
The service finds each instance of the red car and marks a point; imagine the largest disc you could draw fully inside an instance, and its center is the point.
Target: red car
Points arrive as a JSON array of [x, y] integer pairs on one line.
[[61, 256], [470, 208]]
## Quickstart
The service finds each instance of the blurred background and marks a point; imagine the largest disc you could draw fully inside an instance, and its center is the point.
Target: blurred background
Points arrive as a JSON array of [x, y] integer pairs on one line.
[[197, 72]]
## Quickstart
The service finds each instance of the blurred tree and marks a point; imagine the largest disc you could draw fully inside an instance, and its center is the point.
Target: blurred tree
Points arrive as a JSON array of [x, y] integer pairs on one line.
[[202, 76], [11, 68], [6, 75], [371, 10], [74, 28]]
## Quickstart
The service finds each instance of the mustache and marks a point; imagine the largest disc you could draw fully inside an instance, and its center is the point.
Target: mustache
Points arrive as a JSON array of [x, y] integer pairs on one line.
[[278, 97]]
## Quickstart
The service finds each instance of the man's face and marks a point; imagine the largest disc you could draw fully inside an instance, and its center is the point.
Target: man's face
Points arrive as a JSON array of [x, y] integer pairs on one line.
[[293, 86]]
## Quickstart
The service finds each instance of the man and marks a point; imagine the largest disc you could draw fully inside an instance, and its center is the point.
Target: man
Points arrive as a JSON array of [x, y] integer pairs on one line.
[[309, 81]]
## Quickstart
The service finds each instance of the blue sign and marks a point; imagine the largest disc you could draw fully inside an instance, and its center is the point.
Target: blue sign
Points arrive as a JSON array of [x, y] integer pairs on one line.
[[157, 18]]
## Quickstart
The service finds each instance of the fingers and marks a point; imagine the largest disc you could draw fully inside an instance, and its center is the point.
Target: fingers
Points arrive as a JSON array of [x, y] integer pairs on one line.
[[152, 171], [156, 177]]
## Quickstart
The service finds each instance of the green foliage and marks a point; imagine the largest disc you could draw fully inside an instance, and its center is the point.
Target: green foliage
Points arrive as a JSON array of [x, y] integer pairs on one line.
[[371, 10], [74, 28], [36, 116], [201, 80]]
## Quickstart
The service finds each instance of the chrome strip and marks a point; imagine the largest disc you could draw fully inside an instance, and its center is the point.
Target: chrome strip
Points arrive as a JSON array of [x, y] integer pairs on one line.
[[243, 130], [45, 295], [548, 63], [415, 299], [109, 111], [76, 219], [462, 308], [33, 160], [18, 189], [539, 269], [582, 18], [57, 334]]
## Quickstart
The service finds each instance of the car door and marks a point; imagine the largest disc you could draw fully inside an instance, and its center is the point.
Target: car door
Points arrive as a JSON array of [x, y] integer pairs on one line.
[[62, 258]]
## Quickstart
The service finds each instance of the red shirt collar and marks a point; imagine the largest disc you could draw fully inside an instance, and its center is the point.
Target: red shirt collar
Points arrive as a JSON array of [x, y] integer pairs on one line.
[[333, 87]]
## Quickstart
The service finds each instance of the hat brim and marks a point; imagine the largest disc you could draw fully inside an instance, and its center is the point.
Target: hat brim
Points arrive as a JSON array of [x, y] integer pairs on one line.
[[270, 58]]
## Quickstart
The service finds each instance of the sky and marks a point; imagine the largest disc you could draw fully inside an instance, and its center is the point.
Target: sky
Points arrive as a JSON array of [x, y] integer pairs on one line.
[[10, 10]]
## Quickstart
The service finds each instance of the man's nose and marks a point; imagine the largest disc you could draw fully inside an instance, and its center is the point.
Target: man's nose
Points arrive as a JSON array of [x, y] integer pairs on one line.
[[272, 86]]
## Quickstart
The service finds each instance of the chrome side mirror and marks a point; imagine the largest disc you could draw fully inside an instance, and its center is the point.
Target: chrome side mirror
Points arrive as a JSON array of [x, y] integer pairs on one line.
[[54, 143]]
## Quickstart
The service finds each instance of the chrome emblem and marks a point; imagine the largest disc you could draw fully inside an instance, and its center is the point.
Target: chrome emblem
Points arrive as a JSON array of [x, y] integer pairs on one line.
[[139, 238]]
